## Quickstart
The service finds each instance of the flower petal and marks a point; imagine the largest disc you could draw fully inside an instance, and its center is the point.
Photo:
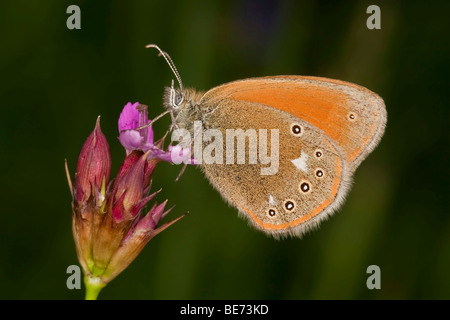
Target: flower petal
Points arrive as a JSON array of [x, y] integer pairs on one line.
[[129, 117], [149, 133], [130, 140], [178, 155]]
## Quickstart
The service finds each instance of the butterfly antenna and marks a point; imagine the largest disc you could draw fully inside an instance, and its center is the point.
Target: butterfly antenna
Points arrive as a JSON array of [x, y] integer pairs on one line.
[[169, 62]]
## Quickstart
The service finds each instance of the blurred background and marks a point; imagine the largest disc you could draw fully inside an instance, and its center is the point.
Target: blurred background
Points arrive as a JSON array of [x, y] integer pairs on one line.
[[56, 81]]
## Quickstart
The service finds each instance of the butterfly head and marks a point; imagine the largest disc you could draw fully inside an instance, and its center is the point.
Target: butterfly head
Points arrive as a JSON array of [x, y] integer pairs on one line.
[[183, 105]]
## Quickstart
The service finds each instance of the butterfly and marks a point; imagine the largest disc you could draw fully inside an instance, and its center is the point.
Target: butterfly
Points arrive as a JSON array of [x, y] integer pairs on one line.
[[321, 129]]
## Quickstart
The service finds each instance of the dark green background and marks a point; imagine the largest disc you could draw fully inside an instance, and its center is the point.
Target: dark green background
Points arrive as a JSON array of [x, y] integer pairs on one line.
[[55, 82]]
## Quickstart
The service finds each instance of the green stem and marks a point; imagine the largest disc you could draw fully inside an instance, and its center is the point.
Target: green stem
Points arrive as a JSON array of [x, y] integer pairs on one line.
[[93, 287]]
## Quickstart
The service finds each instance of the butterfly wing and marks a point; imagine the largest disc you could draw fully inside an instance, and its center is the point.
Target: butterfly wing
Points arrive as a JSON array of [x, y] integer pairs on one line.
[[315, 157], [352, 116], [301, 184]]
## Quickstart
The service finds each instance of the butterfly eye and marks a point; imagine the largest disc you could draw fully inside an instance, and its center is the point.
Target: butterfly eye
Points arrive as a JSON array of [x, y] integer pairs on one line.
[[178, 99]]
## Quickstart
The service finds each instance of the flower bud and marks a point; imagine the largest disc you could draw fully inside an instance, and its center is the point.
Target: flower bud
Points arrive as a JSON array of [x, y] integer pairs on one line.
[[94, 165], [130, 186]]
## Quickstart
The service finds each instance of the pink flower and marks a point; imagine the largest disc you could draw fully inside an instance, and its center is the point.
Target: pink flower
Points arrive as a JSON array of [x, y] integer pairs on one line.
[[136, 134]]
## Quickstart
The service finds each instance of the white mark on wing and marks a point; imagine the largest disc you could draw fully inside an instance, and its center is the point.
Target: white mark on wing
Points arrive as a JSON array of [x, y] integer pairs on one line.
[[300, 163], [272, 200]]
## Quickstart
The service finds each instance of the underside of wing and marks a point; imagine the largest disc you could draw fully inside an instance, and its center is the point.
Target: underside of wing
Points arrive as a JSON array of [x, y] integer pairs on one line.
[[310, 179], [351, 116]]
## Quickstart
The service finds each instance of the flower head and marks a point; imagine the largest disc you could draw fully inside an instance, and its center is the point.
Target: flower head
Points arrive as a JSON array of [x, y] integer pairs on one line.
[[109, 224]]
